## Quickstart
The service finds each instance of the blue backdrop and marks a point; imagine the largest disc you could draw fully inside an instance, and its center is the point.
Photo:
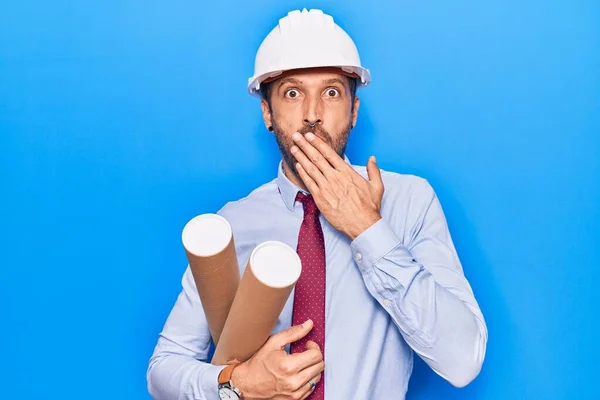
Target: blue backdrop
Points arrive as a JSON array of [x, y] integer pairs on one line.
[[121, 120]]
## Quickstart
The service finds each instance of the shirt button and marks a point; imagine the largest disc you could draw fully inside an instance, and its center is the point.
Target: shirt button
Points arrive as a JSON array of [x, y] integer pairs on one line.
[[387, 303], [358, 257]]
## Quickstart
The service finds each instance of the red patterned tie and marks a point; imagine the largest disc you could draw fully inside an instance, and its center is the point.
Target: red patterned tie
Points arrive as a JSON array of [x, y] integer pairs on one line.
[[309, 295]]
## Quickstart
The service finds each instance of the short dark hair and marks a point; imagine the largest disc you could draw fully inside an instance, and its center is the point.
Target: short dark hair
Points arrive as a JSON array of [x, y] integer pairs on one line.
[[265, 90]]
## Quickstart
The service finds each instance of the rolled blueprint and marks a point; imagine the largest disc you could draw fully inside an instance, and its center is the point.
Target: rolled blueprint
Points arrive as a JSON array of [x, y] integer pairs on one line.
[[272, 271], [210, 248]]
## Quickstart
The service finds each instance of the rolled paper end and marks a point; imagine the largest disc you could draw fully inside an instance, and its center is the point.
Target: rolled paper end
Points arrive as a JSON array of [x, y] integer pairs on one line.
[[206, 235], [275, 264]]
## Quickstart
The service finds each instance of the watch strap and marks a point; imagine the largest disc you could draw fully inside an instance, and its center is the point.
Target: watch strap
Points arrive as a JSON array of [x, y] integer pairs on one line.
[[225, 374]]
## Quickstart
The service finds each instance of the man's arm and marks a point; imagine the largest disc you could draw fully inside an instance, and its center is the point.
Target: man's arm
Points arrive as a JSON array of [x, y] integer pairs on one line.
[[420, 283], [178, 368], [422, 286]]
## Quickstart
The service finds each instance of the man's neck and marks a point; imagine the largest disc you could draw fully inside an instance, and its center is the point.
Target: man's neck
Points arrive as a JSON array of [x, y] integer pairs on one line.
[[295, 179]]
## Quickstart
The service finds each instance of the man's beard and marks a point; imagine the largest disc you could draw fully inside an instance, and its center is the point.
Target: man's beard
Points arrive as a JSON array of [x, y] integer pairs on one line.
[[285, 141]]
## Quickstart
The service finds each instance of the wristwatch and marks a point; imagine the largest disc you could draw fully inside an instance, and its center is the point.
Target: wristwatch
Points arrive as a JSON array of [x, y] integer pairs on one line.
[[227, 391]]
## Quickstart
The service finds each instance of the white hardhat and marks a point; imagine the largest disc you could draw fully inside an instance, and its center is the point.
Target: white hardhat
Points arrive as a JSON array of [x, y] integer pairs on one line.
[[306, 39]]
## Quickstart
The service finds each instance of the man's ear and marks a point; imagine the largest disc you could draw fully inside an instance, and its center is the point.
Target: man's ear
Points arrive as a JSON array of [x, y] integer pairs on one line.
[[355, 111], [266, 113]]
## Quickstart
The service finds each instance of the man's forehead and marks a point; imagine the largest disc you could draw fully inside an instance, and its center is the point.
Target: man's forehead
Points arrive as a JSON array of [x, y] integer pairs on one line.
[[314, 79], [313, 75]]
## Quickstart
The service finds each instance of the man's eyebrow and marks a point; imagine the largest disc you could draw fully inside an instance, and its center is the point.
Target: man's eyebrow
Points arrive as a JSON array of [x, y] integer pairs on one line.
[[289, 80], [332, 81]]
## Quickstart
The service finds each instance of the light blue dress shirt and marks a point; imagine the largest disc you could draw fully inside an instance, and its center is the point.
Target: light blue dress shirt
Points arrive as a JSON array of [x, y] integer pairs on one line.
[[396, 289]]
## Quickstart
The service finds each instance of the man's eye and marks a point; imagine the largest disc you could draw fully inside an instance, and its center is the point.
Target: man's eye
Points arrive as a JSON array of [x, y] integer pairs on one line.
[[292, 93], [333, 92]]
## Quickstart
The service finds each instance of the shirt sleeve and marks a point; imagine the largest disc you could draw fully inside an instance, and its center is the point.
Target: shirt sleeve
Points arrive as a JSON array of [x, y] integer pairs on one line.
[[422, 286], [179, 368]]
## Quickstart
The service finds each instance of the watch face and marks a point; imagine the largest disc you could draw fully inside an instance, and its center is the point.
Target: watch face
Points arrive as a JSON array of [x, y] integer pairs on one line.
[[226, 393]]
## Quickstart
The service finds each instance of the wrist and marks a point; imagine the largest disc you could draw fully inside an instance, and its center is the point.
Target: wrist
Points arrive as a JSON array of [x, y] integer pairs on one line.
[[238, 377], [364, 224], [227, 387]]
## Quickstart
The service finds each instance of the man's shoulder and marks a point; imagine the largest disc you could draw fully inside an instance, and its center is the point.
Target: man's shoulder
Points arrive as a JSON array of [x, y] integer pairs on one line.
[[264, 193]]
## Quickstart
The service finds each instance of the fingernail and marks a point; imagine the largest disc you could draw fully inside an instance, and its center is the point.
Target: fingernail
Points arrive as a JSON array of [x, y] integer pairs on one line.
[[309, 136], [294, 149], [296, 136], [306, 322]]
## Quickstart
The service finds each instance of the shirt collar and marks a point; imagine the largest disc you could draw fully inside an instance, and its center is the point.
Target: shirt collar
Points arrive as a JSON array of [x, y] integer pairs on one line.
[[289, 190]]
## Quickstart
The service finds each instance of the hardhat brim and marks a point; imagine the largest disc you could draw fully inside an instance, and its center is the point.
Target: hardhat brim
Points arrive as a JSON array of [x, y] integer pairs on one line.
[[362, 74]]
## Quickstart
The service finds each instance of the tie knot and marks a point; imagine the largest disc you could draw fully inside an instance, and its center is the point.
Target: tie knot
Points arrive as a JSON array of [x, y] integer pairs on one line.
[[308, 202]]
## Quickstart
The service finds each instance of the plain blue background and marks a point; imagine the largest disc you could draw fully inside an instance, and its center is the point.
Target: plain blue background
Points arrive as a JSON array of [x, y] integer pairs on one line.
[[122, 120]]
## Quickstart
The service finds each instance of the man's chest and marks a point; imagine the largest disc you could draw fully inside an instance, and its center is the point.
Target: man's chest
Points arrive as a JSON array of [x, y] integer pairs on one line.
[[345, 292]]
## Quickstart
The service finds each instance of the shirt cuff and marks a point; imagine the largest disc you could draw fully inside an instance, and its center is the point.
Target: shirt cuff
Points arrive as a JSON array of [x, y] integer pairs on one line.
[[374, 243], [210, 381]]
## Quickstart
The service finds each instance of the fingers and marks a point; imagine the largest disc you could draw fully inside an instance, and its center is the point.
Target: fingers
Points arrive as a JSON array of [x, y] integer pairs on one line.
[[374, 174], [312, 345], [292, 334], [306, 388], [302, 393], [309, 182], [310, 372], [319, 152], [311, 356], [319, 161], [310, 165]]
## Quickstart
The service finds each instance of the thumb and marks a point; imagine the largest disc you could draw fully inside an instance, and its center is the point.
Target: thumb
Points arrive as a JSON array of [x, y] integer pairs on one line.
[[374, 173], [292, 334]]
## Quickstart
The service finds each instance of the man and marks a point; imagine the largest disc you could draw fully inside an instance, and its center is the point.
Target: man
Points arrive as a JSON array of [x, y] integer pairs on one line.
[[380, 276]]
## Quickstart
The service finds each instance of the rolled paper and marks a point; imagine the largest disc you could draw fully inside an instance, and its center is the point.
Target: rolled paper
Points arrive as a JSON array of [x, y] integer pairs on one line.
[[272, 271], [210, 249]]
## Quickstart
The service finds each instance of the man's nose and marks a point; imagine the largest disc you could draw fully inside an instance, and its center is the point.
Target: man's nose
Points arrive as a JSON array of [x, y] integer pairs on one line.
[[312, 124], [312, 113]]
